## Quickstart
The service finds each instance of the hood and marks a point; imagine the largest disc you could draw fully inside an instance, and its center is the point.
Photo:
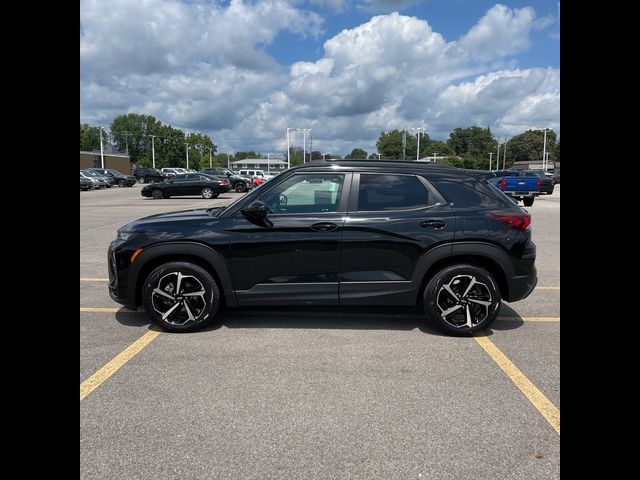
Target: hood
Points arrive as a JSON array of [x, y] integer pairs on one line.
[[173, 221]]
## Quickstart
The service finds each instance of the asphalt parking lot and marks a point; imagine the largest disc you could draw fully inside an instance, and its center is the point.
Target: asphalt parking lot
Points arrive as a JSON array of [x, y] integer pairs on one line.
[[293, 393]]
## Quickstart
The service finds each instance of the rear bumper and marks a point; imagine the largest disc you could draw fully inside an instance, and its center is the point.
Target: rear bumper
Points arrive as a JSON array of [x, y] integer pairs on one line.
[[521, 286]]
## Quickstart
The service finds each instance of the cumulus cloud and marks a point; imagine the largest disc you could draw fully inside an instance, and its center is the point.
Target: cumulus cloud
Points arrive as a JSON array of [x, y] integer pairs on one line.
[[202, 66], [501, 31]]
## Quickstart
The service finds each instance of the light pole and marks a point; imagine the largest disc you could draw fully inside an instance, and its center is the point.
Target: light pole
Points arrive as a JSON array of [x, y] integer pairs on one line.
[[418, 130], [210, 158], [187, 155], [544, 150], [268, 164], [490, 155], [153, 151], [289, 147], [378, 156], [304, 143], [101, 150], [498, 156], [504, 158]]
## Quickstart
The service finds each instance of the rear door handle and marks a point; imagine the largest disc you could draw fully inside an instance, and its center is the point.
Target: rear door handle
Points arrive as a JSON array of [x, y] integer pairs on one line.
[[324, 226], [437, 224]]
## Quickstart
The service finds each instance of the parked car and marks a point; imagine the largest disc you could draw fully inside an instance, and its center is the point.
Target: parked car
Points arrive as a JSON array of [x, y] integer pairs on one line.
[[238, 183], [187, 184], [99, 181], [118, 178], [334, 233], [85, 183], [546, 183], [146, 175], [170, 172], [256, 173]]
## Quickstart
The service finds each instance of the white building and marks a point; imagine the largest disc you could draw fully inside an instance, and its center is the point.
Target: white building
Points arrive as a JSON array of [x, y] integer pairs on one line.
[[259, 164]]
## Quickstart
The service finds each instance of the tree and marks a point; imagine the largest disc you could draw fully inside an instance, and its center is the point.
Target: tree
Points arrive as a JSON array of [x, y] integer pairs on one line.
[[435, 146], [357, 153], [373, 156], [557, 152], [199, 144], [89, 137], [474, 142], [453, 161], [132, 133], [528, 146]]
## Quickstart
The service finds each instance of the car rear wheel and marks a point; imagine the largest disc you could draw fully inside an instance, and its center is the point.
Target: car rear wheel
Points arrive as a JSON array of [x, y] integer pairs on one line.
[[528, 201], [462, 299], [208, 193], [156, 193], [240, 187], [141, 179], [122, 183], [181, 296]]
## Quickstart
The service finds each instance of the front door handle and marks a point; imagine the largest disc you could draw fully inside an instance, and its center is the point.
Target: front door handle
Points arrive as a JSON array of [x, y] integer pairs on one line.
[[437, 224], [324, 226]]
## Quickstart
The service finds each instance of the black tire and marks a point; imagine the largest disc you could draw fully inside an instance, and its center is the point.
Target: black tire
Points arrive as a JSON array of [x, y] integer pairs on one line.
[[438, 300], [240, 187], [156, 193], [122, 183], [141, 180], [528, 201], [202, 308], [109, 185], [208, 193]]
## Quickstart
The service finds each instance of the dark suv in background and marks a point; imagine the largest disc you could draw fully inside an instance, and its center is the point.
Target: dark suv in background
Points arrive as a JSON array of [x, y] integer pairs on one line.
[[334, 233], [117, 177], [238, 183], [147, 175]]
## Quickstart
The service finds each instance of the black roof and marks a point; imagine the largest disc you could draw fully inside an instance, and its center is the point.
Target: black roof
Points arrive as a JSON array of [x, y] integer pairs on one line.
[[377, 164]]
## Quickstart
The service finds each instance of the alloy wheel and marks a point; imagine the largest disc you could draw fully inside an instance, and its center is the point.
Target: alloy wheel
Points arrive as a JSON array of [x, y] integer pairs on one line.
[[464, 301], [179, 298]]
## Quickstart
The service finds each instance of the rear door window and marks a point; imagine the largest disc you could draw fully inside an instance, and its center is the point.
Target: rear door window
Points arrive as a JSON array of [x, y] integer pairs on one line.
[[391, 192]]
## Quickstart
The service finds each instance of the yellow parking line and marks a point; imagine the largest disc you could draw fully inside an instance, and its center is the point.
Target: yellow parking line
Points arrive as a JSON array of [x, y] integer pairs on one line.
[[531, 319], [100, 309], [547, 288], [548, 410], [93, 279], [95, 380]]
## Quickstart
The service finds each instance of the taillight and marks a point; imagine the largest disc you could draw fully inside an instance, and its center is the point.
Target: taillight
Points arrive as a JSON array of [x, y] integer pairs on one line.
[[539, 184], [519, 221], [503, 184], [223, 181]]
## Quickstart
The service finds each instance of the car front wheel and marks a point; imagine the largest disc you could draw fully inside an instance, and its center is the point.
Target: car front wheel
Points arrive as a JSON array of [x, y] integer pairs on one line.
[[122, 183], [157, 194], [462, 299], [181, 297], [240, 187], [528, 201]]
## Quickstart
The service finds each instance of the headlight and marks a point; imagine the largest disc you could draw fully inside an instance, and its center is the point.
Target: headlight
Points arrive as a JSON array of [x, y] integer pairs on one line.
[[125, 235]]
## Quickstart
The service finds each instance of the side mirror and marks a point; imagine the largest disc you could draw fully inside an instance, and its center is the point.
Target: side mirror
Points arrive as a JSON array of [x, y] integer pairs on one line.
[[257, 211]]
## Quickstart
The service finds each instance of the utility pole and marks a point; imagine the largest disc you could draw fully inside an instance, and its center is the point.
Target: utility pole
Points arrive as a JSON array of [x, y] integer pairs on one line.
[[544, 151], [187, 155], [153, 151], [268, 164], [323, 155], [101, 150], [498, 157], [228, 167], [210, 158], [490, 155]]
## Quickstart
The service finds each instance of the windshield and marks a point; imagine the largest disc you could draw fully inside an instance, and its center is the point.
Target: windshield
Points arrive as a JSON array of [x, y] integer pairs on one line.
[[91, 174]]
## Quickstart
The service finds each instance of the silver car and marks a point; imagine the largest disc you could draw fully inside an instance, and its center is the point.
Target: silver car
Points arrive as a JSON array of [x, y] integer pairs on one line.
[[98, 180]]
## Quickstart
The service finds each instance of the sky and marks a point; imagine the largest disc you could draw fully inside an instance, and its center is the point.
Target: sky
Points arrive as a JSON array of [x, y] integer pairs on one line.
[[244, 71]]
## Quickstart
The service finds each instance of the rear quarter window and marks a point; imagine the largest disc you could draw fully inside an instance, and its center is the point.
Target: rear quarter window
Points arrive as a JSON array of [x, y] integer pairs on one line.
[[468, 193]]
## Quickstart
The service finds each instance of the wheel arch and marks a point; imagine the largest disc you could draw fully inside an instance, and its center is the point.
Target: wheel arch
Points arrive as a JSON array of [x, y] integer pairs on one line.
[[201, 255], [479, 254]]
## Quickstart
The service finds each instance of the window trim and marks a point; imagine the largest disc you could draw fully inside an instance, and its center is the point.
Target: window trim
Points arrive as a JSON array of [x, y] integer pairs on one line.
[[355, 188]]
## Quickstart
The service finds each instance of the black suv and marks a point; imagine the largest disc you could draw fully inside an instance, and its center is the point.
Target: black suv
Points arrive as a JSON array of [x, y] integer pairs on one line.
[[334, 233], [238, 183], [147, 174]]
